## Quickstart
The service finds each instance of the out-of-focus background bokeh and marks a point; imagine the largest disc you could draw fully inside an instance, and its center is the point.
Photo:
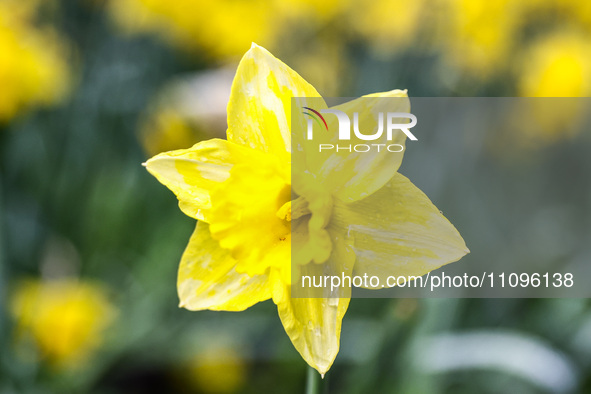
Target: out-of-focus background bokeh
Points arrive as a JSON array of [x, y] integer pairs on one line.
[[90, 242]]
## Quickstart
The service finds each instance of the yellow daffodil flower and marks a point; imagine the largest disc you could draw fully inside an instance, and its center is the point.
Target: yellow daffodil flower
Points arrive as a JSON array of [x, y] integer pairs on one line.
[[252, 216]]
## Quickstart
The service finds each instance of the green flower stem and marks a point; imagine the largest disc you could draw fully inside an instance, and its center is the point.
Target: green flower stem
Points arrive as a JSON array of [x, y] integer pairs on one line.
[[313, 382]]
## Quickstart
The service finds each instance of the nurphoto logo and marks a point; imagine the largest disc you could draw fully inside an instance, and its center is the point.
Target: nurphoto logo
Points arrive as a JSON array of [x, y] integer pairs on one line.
[[389, 122]]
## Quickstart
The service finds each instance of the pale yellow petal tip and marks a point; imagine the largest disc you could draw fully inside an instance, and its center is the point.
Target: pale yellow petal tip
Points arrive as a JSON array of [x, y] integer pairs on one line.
[[148, 162], [465, 249], [322, 370], [256, 47], [256, 51], [390, 93]]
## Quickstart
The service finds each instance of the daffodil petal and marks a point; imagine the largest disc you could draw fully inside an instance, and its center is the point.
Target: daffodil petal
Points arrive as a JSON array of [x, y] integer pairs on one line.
[[259, 111], [354, 175], [314, 324], [192, 174], [398, 231], [207, 278]]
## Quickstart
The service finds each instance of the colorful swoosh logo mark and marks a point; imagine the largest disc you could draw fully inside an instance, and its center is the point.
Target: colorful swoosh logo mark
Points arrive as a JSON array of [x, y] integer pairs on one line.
[[316, 116]]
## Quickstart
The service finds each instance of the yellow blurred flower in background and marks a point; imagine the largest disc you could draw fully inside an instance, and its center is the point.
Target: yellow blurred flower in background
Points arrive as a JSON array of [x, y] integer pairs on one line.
[[557, 65], [220, 368], [478, 35], [222, 28], [167, 129], [188, 109], [33, 61], [389, 26], [65, 318]]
